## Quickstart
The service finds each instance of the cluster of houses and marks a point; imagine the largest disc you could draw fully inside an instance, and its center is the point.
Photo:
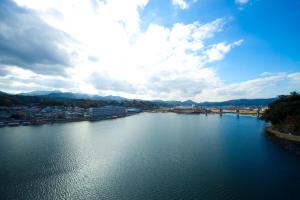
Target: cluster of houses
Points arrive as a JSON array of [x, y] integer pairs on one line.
[[31, 115]]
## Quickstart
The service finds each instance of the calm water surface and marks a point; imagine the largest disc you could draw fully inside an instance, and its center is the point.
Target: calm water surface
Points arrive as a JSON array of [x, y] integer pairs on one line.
[[148, 156]]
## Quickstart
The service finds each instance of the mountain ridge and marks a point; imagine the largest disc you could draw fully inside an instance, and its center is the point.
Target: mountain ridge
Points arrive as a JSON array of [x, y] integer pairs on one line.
[[169, 103], [71, 95]]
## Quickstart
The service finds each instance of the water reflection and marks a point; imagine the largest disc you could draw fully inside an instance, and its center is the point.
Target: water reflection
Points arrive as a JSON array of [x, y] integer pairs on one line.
[[148, 156]]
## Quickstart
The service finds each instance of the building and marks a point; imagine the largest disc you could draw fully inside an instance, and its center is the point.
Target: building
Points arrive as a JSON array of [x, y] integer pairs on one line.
[[106, 112], [189, 109], [133, 110]]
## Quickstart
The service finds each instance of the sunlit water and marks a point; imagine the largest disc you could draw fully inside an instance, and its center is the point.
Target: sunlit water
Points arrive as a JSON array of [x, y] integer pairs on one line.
[[148, 156]]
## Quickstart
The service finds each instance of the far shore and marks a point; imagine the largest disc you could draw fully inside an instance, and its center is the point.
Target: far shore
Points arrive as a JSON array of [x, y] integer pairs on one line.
[[17, 123], [285, 136]]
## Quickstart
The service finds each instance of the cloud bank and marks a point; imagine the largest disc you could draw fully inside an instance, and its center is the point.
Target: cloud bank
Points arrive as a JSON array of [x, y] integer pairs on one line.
[[242, 2], [181, 4], [100, 47], [29, 42]]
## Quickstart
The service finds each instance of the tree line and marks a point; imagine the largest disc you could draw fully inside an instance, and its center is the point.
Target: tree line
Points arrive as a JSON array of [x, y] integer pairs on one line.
[[284, 113]]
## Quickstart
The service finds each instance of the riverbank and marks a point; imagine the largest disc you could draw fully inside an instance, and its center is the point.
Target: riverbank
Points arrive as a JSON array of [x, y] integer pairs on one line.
[[205, 111], [16, 123], [281, 135]]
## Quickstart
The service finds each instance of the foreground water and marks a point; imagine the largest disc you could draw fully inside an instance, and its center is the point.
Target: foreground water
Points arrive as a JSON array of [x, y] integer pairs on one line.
[[147, 156]]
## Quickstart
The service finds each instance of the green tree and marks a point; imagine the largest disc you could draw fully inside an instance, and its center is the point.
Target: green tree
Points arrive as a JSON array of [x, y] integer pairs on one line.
[[285, 112]]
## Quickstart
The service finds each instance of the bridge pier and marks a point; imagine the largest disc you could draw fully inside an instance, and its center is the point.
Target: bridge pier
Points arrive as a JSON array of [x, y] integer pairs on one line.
[[258, 113]]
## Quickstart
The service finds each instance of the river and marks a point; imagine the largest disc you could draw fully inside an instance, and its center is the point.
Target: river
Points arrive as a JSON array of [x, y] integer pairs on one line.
[[148, 156]]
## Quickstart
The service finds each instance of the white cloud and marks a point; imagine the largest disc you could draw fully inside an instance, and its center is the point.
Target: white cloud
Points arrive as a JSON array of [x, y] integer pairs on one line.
[[22, 80], [160, 62], [113, 55], [251, 87], [242, 2], [265, 86], [181, 4], [295, 79], [29, 42], [217, 51]]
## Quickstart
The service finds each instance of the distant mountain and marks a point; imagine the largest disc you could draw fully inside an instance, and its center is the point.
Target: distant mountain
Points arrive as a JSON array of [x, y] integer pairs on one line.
[[3, 93], [70, 95], [167, 103], [236, 102], [188, 103], [176, 103], [110, 97], [38, 93], [240, 102], [67, 95]]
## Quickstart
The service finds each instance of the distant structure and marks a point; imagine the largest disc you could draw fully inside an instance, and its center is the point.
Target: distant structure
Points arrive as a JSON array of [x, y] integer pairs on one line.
[[106, 112], [237, 112], [133, 110], [258, 113], [188, 109]]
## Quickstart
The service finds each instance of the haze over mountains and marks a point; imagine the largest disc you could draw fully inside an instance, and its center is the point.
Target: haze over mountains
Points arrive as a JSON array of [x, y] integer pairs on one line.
[[70, 95]]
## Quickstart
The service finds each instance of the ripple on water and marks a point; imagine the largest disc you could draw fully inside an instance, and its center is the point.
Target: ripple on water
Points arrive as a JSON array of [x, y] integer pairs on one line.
[[148, 156]]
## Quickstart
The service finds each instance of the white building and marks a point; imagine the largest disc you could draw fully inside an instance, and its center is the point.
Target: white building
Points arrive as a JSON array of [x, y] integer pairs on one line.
[[133, 110], [107, 112]]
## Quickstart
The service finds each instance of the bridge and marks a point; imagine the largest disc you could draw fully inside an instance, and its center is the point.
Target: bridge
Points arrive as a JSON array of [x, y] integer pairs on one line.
[[217, 110], [234, 110]]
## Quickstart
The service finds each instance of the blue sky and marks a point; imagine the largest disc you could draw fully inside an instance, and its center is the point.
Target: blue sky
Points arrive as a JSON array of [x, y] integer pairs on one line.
[[270, 29], [151, 49]]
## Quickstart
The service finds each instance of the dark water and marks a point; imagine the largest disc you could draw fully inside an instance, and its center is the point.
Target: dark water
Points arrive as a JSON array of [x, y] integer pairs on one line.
[[148, 156]]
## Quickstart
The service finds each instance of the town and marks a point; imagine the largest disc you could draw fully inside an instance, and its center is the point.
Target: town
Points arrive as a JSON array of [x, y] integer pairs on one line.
[[37, 115]]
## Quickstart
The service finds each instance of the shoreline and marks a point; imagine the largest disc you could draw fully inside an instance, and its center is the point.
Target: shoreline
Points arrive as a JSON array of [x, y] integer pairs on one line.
[[18, 123], [198, 113], [13, 124], [284, 136]]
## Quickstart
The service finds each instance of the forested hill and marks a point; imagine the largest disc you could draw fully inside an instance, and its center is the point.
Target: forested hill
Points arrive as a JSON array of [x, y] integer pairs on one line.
[[240, 102], [45, 98]]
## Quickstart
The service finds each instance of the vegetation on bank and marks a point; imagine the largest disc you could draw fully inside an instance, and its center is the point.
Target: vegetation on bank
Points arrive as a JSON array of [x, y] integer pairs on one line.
[[284, 113]]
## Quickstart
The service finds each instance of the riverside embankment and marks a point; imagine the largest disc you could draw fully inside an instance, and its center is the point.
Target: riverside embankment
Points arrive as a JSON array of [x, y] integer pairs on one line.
[[281, 135]]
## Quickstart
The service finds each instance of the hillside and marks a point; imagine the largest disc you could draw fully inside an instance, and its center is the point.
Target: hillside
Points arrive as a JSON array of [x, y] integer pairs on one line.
[[240, 102], [61, 98], [284, 113]]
